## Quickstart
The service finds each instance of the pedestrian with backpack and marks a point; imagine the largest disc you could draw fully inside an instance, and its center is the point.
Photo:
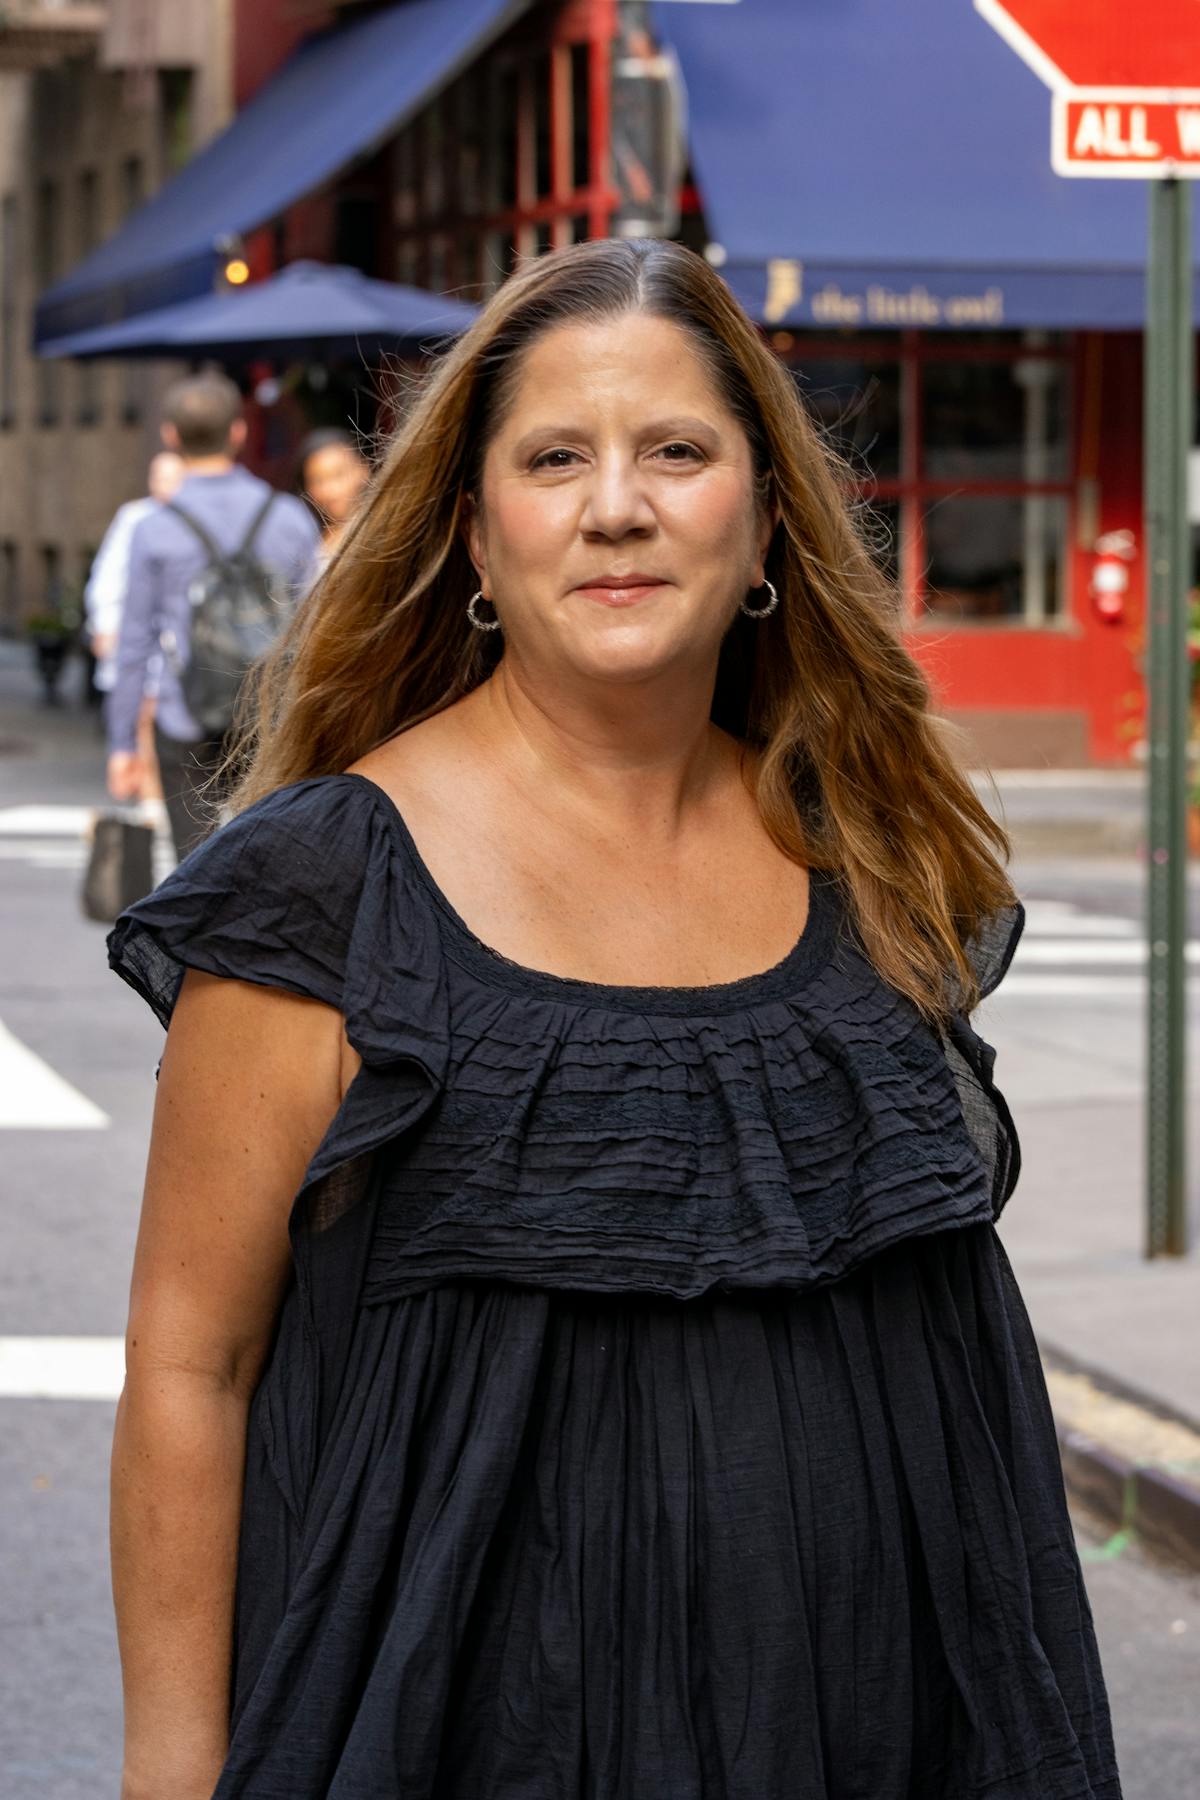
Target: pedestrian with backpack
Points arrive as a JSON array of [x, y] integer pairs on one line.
[[213, 578]]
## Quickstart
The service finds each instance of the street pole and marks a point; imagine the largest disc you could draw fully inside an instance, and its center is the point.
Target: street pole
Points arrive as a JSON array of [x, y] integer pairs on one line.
[[1168, 433]]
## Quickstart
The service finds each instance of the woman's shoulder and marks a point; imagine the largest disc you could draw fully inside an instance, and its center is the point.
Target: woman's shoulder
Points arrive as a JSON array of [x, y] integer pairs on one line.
[[311, 806], [304, 888], [319, 833]]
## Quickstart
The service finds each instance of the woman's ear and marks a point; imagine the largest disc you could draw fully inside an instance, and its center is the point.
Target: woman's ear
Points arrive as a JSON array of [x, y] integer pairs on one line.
[[768, 526], [471, 527]]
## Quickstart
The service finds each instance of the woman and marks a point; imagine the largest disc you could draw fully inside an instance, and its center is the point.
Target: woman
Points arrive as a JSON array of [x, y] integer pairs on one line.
[[333, 475], [567, 1254]]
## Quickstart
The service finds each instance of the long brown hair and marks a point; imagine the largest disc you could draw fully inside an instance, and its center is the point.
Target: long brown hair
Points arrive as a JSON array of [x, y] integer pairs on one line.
[[853, 772]]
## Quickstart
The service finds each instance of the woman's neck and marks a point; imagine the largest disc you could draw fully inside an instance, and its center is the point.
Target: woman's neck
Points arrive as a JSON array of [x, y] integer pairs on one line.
[[631, 757]]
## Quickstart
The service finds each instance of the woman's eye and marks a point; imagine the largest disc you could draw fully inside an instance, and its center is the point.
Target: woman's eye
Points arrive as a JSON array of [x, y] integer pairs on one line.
[[554, 459], [679, 453]]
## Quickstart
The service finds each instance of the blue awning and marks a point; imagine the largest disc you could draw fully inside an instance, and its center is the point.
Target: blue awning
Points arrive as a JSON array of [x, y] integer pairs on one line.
[[305, 310], [863, 163], [340, 95]]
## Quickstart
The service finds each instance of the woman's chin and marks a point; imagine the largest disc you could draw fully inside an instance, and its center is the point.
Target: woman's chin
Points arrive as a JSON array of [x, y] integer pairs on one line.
[[629, 656], [622, 646]]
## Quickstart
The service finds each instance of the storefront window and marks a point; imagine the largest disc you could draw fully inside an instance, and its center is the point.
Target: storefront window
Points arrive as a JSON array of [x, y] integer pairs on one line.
[[995, 421], [471, 123], [433, 157], [995, 557], [405, 209], [543, 164], [857, 405], [501, 259], [499, 164], [407, 263], [466, 267], [581, 126], [505, 136], [963, 450], [881, 522], [437, 273]]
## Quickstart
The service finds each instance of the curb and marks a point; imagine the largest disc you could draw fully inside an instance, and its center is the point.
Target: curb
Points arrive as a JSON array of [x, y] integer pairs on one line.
[[1159, 1508], [1124, 1455], [1056, 1360], [1075, 837]]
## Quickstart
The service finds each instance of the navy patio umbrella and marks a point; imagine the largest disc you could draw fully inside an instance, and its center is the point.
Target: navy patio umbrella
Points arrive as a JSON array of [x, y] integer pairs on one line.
[[306, 310]]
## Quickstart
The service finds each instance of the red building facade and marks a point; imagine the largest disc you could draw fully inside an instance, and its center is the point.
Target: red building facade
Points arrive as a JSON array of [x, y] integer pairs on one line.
[[994, 462]]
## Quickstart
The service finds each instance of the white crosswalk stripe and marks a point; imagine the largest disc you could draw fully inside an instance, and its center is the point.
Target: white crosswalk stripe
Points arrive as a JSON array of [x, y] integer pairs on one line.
[[1049, 918], [57, 837], [35, 1097], [61, 1368], [1069, 953], [49, 821]]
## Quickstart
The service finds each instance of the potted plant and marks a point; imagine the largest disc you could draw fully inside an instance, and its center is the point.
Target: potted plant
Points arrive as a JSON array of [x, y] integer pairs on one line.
[[52, 632]]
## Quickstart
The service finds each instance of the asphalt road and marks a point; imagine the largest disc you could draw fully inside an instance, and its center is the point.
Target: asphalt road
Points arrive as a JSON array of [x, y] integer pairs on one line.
[[82, 1048]]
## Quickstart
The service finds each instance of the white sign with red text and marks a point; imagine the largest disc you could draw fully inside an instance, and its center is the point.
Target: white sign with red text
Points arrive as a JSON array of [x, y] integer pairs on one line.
[[1125, 80]]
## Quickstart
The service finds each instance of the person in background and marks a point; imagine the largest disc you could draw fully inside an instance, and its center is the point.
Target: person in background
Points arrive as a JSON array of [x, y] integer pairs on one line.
[[104, 595], [104, 601], [333, 476], [204, 426]]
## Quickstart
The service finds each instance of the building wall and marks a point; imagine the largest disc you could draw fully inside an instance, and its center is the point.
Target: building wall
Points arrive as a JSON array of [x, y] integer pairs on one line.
[[144, 35], [81, 144], [265, 32]]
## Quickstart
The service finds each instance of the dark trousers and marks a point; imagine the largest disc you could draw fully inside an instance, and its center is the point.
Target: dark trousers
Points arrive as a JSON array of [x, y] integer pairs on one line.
[[186, 769]]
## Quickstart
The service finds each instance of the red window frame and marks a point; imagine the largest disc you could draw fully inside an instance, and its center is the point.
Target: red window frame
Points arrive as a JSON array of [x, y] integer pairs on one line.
[[449, 246], [911, 489]]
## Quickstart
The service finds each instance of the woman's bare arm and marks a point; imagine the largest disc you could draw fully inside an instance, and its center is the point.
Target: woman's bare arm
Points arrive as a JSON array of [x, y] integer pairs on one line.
[[250, 1079]]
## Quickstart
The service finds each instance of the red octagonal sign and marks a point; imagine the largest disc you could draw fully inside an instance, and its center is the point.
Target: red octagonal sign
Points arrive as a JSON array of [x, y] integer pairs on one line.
[[1126, 80]]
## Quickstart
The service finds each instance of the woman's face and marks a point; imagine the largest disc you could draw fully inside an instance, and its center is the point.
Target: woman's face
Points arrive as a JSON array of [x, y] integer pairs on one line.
[[333, 480], [618, 529]]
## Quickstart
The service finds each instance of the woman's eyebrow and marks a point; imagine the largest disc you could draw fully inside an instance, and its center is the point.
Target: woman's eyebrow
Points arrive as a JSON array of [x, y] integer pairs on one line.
[[676, 426]]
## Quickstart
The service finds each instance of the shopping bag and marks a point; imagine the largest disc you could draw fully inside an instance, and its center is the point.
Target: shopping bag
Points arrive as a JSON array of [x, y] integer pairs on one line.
[[120, 865]]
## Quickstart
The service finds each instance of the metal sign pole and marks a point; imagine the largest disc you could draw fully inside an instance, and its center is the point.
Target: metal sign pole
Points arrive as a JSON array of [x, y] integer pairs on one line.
[[1168, 432]]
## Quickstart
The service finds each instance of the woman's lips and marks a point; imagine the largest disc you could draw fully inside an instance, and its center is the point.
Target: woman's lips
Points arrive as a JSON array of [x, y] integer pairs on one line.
[[626, 592]]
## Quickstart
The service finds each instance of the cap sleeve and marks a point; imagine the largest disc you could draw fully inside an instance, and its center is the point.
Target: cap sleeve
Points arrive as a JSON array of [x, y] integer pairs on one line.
[[972, 1059], [264, 899], [306, 891], [991, 948]]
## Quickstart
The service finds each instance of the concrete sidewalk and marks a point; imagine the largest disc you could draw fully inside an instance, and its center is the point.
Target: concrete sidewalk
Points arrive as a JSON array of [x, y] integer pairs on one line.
[[1068, 812], [1074, 1230], [47, 754]]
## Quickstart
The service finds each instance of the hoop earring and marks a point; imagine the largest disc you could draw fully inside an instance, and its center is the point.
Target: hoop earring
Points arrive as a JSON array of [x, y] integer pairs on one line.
[[477, 622], [762, 612]]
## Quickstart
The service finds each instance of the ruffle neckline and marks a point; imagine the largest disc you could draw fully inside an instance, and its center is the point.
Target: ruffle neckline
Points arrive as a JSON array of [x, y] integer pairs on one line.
[[709, 999], [520, 1126]]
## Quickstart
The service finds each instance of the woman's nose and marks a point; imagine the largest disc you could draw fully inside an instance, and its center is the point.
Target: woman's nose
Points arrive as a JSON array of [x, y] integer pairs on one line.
[[617, 500]]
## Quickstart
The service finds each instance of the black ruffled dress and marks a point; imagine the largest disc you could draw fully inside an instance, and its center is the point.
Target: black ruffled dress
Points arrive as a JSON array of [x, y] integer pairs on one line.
[[653, 1415]]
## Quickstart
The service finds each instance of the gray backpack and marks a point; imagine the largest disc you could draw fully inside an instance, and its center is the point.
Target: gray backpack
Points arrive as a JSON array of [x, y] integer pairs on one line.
[[235, 618]]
